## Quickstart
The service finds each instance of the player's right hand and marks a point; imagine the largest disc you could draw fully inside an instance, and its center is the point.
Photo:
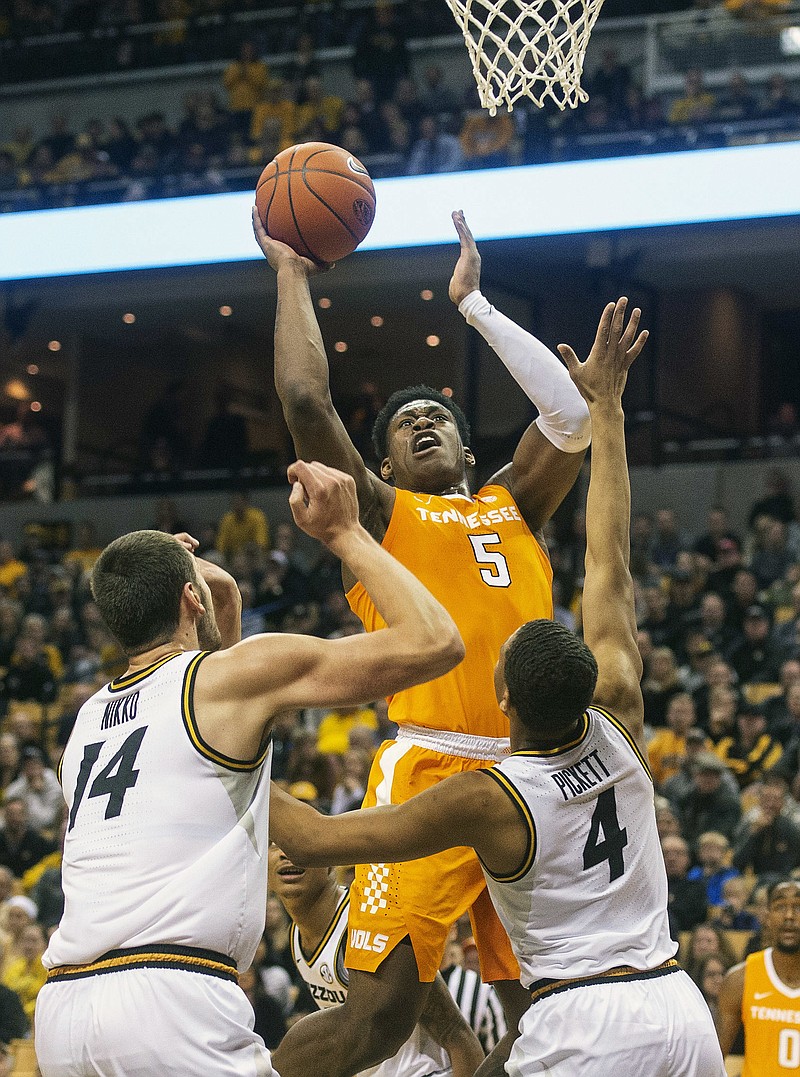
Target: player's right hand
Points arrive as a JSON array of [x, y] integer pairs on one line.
[[323, 500], [279, 254]]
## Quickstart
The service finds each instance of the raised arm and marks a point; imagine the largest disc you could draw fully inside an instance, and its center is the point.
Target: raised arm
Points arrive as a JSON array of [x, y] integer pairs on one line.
[[243, 687], [609, 619], [302, 377], [550, 453]]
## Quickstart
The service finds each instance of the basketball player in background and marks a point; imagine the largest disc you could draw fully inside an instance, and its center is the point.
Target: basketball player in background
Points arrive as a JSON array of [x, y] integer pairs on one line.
[[479, 555], [565, 826], [761, 993], [442, 1044], [166, 778]]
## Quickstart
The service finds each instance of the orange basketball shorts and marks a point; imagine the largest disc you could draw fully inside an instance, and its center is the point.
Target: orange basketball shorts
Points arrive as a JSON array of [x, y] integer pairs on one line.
[[423, 898]]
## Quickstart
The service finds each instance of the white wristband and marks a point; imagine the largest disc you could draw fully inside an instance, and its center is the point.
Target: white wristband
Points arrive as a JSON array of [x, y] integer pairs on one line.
[[563, 413]]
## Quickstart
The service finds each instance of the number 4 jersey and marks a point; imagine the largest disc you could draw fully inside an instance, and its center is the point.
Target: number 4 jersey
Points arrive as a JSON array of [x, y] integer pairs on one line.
[[166, 839], [479, 558], [591, 894]]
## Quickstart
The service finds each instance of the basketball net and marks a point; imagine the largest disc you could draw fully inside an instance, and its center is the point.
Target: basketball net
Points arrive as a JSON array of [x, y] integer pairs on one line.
[[533, 49]]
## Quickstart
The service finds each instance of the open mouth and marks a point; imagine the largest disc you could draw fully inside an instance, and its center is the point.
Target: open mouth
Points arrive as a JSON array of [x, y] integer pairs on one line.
[[424, 442], [291, 872]]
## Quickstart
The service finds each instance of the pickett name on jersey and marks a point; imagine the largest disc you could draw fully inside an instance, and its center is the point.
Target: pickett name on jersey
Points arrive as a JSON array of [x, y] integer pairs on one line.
[[119, 711], [581, 776], [475, 519]]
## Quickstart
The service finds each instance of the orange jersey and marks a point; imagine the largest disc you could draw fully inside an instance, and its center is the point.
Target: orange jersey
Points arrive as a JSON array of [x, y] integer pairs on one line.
[[771, 1018], [480, 559]]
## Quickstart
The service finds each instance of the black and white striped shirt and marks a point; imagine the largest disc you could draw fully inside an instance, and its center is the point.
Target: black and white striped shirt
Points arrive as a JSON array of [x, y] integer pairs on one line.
[[478, 1003]]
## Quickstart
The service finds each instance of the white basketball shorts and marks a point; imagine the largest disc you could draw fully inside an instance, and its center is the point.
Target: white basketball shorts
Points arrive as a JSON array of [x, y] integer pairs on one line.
[[147, 1022], [648, 1023]]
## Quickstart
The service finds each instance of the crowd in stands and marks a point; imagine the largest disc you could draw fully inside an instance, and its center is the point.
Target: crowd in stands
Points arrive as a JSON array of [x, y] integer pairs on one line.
[[719, 633], [395, 123]]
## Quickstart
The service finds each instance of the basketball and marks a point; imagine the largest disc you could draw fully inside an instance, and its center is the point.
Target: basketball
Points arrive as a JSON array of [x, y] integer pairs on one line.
[[318, 199]]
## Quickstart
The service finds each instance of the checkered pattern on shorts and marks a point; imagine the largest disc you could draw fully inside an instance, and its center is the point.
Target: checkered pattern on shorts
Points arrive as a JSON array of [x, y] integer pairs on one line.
[[376, 889]]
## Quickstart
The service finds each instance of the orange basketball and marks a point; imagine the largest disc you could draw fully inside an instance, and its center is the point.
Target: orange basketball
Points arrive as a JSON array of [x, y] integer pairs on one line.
[[317, 198]]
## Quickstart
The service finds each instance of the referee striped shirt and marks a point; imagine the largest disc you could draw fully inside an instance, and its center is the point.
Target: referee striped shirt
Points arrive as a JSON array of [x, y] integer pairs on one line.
[[478, 1003]]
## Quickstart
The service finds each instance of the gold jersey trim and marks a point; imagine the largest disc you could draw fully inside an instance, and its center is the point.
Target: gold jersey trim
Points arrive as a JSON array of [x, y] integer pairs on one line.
[[186, 958], [561, 748], [511, 790], [121, 683], [623, 729], [190, 723]]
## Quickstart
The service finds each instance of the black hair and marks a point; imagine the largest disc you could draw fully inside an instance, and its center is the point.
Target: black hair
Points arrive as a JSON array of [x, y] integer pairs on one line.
[[137, 584], [405, 396], [550, 675]]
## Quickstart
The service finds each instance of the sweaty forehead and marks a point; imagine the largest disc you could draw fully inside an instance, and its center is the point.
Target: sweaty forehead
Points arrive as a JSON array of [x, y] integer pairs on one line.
[[423, 404]]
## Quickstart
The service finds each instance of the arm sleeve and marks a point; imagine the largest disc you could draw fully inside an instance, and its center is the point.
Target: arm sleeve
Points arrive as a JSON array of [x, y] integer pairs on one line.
[[563, 413]]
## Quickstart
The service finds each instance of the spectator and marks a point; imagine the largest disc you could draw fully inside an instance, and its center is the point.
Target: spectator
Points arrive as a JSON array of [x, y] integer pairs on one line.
[[707, 940], [381, 54], [434, 151], [754, 657], [29, 677], [84, 551], [436, 98], [743, 596], [785, 633], [610, 81], [729, 562], [713, 622], [486, 140], [713, 869], [709, 975], [40, 790], [680, 784], [241, 525], [667, 541], [19, 912], [752, 751], [778, 501], [11, 568], [334, 729], [718, 528], [21, 145], [667, 749], [661, 683], [686, 897], [773, 557], [245, 81], [709, 805], [738, 102], [20, 845], [780, 102], [656, 620], [304, 62], [9, 762], [697, 103], [14, 1024], [26, 975], [732, 914], [349, 790], [270, 1023], [60, 141], [316, 106], [769, 843]]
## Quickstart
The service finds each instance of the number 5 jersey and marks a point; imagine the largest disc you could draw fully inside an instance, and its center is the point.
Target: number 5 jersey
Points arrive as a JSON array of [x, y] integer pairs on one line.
[[158, 820]]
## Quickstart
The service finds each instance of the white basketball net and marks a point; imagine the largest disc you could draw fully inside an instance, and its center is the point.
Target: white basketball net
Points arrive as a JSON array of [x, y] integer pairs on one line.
[[533, 49]]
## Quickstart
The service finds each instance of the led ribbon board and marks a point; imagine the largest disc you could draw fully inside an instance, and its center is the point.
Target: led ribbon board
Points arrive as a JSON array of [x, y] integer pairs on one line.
[[693, 187]]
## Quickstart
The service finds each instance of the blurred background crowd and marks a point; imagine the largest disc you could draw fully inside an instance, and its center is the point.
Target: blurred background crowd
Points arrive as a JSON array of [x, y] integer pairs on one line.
[[719, 632]]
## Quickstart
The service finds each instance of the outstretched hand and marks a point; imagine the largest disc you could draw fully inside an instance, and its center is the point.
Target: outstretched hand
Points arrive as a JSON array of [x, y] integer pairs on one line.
[[323, 500], [280, 254], [601, 379], [467, 273]]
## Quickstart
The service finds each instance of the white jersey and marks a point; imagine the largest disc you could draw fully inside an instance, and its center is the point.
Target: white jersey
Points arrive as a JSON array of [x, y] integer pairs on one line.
[[325, 974], [591, 894], [167, 839]]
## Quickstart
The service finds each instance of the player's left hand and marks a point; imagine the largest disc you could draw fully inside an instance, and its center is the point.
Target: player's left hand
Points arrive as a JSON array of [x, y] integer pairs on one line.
[[601, 379], [187, 541], [467, 273]]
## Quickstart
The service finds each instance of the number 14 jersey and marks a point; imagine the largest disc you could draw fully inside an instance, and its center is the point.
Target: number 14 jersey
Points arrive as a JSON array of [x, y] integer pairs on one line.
[[166, 839], [591, 894]]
